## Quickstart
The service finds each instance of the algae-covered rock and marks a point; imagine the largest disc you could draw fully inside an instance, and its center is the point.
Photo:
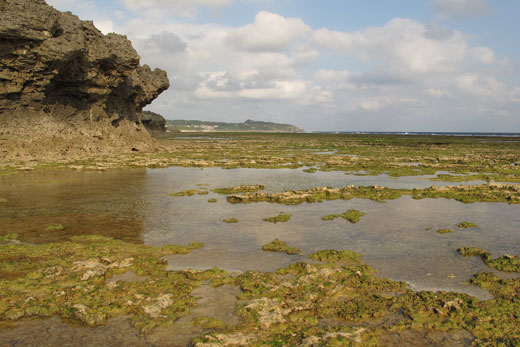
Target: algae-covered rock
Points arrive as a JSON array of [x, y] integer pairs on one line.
[[471, 251], [279, 246], [333, 256], [281, 218], [54, 227], [353, 216], [466, 225], [71, 282], [238, 189], [209, 323], [506, 263], [187, 192]]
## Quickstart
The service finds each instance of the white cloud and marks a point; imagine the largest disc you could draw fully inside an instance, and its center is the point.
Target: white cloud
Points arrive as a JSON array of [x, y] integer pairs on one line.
[[437, 93], [378, 103], [483, 54], [269, 32], [332, 75], [483, 87], [515, 95], [466, 8], [334, 40]]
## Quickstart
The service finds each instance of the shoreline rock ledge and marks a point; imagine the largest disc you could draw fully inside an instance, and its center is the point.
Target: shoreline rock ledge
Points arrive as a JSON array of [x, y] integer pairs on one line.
[[66, 89]]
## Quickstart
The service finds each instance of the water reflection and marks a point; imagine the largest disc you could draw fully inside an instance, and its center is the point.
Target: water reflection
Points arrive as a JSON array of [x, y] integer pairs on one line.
[[104, 203]]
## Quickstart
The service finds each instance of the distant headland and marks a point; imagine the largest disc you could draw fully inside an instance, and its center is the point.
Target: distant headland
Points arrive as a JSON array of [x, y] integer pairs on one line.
[[247, 126]]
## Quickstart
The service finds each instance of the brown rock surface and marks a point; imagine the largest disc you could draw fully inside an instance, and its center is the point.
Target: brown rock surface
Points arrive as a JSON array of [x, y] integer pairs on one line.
[[67, 90], [154, 123]]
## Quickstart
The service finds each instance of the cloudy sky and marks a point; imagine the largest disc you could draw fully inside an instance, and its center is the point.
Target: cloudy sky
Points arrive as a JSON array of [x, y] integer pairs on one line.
[[403, 65]]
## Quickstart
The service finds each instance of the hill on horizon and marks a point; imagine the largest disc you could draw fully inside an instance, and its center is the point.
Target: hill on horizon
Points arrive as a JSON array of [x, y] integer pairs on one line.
[[248, 126]]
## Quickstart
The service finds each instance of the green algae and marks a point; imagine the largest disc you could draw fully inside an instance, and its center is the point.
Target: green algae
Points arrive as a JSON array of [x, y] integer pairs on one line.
[[466, 225], [333, 256], [281, 218], [212, 200], [506, 263], [353, 216], [230, 220], [444, 231], [280, 246], [54, 227], [209, 323], [471, 251], [177, 249], [238, 189], [9, 237], [188, 192], [68, 280]]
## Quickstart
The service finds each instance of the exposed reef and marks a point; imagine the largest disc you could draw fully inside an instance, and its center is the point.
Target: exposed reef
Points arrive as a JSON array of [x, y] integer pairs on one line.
[[67, 90]]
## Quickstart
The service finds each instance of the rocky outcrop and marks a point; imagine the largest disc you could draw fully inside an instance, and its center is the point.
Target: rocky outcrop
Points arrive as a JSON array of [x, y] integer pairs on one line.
[[154, 123], [63, 82]]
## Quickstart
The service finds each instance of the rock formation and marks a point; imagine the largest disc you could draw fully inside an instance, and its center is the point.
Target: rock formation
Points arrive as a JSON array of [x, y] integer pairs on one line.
[[67, 89], [154, 123]]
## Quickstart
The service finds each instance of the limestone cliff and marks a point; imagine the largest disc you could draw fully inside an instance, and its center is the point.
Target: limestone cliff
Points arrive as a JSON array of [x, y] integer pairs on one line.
[[154, 123], [67, 89]]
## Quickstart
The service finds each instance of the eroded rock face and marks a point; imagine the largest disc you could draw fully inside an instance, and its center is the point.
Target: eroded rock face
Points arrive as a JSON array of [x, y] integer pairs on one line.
[[154, 123], [55, 68]]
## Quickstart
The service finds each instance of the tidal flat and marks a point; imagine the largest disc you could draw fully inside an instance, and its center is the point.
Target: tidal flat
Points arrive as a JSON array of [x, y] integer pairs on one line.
[[391, 278]]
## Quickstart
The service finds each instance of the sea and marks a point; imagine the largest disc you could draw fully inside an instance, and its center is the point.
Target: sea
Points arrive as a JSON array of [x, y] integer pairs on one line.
[[433, 133]]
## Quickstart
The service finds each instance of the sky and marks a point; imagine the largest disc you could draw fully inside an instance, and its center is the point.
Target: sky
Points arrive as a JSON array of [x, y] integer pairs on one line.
[[331, 65]]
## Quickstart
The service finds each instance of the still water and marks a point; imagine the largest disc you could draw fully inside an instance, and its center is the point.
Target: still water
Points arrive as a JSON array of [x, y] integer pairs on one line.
[[134, 205]]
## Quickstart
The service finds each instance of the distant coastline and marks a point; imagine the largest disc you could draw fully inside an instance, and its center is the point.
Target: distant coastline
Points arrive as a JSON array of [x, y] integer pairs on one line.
[[247, 126]]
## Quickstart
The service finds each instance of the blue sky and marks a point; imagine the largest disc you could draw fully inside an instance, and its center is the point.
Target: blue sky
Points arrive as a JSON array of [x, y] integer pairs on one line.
[[408, 65]]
